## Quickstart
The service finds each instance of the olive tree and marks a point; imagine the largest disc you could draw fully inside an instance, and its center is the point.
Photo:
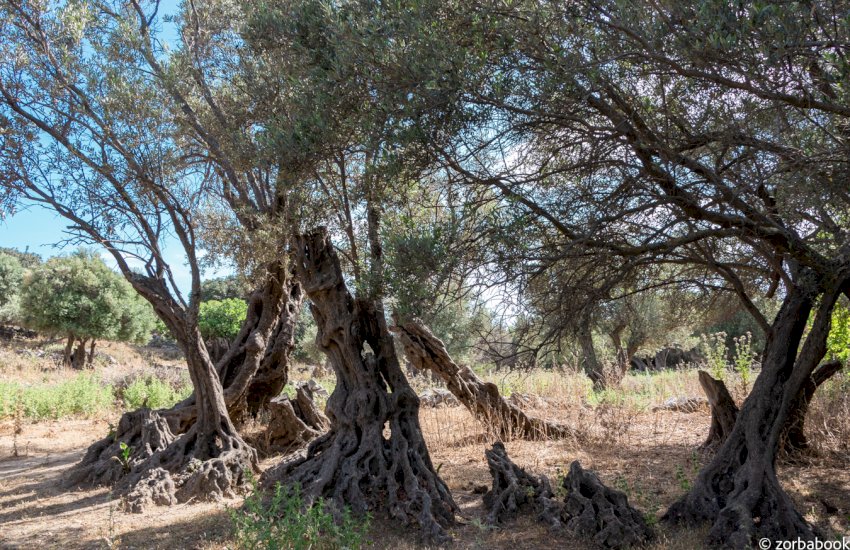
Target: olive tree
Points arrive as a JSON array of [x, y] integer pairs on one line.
[[11, 277], [80, 297]]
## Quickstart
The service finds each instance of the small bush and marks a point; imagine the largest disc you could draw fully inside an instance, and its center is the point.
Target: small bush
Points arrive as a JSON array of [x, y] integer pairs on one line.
[[153, 393], [84, 395], [282, 522]]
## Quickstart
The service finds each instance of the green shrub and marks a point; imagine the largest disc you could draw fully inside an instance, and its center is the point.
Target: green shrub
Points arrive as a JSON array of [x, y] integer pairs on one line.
[[84, 395], [153, 393], [222, 318], [283, 523]]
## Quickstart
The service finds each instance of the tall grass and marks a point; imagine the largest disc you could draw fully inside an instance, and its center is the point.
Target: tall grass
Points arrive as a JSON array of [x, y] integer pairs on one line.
[[83, 395]]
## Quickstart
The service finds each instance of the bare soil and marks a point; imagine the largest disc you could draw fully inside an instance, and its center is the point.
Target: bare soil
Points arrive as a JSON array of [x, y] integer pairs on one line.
[[651, 456]]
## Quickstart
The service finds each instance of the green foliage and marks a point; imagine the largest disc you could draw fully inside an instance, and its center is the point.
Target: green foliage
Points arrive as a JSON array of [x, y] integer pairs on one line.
[[11, 277], [744, 358], [27, 259], [83, 395], [124, 457], [282, 522], [838, 341], [306, 350], [714, 348], [223, 288], [154, 393], [80, 296], [222, 318]]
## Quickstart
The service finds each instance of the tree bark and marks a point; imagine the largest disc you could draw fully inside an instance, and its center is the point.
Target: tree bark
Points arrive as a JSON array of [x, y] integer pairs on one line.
[[794, 439], [255, 367], [592, 367], [724, 412], [373, 456], [78, 358], [208, 462], [738, 491], [427, 353], [90, 359]]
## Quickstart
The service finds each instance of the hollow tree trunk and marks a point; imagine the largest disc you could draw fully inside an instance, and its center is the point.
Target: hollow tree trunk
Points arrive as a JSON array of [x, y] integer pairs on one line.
[[724, 412], [255, 370], [208, 462], [738, 491], [255, 367], [374, 455], [427, 353]]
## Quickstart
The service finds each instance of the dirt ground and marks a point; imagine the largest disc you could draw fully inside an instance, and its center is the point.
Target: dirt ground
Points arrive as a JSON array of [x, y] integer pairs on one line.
[[649, 455]]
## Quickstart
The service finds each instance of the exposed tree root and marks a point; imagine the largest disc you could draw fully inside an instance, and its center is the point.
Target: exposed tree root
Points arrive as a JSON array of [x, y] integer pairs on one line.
[[208, 466], [427, 353], [514, 488], [723, 410], [374, 456], [143, 432], [591, 509]]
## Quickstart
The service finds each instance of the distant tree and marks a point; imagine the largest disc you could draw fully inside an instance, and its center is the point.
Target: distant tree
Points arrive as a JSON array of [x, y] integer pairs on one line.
[[11, 276], [26, 258], [79, 296], [222, 318], [223, 288]]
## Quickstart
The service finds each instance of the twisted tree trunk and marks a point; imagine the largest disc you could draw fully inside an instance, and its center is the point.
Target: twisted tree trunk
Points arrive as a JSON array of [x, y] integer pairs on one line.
[[738, 491], [427, 353], [374, 456], [794, 439], [254, 370], [208, 461]]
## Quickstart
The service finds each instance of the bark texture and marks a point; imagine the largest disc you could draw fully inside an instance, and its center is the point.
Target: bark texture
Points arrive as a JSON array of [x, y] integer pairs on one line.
[[738, 492], [724, 412], [207, 462], [293, 423], [373, 457], [427, 353], [603, 514], [794, 439], [514, 488]]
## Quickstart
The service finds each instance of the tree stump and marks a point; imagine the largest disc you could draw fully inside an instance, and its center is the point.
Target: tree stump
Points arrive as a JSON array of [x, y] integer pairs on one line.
[[593, 510], [514, 488], [294, 422], [427, 353], [724, 412]]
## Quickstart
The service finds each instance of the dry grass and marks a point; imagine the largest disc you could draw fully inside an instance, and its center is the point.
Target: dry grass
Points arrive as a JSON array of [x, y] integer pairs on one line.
[[649, 455]]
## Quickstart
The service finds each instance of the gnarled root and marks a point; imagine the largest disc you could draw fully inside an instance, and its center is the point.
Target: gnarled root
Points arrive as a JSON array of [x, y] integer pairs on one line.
[[594, 510], [364, 468], [514, 488], [142, 433]]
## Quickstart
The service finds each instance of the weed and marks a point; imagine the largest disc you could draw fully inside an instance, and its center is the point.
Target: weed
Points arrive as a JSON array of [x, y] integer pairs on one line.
[[82, 395], [682, 478], [153, 392], [285, 522], [714, 347], [124, 457]]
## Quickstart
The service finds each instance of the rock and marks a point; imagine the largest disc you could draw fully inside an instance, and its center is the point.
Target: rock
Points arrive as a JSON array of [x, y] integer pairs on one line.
[[527, 401], [438, 397]]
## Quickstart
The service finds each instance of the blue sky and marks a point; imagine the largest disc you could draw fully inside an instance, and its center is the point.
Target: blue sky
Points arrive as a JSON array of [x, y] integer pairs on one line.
[[41, 231]]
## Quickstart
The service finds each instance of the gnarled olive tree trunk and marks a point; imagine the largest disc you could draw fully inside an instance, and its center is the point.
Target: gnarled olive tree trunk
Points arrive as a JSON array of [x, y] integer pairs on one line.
[[253, 371], [427, 353], [374, 455], [738, 491], [255, 367]]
